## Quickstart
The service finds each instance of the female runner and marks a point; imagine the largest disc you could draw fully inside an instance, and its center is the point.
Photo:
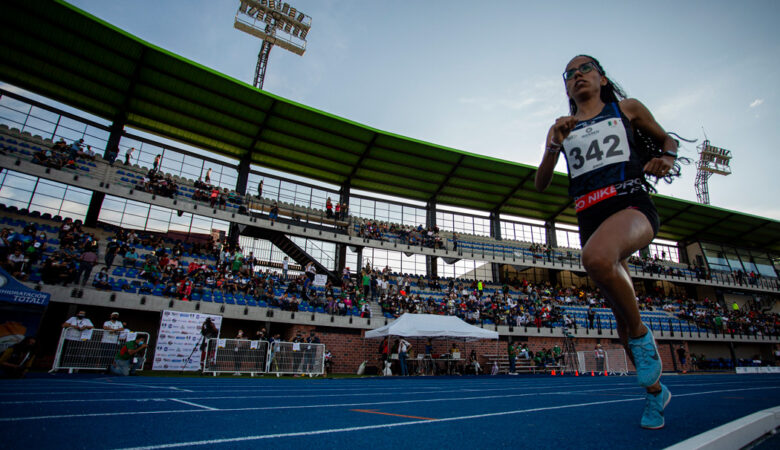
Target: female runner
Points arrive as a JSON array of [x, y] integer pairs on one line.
[[607, 166]]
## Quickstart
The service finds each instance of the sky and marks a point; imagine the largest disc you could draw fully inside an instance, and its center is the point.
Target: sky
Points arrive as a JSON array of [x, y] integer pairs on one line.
[[485, 77]]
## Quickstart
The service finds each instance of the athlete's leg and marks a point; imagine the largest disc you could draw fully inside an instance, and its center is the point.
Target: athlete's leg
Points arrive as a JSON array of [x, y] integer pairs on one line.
[[615, 240], [605, 259]]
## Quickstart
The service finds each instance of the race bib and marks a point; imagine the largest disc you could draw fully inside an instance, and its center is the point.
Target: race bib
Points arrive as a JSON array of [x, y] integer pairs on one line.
[[595, 146]]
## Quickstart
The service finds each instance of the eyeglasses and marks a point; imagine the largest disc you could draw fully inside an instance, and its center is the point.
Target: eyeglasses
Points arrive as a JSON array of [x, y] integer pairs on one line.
[[584, 68]]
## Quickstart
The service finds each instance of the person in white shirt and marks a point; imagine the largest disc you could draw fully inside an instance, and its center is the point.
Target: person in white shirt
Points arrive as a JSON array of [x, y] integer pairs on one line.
[[403, 348], [109, 342], [78, 331]]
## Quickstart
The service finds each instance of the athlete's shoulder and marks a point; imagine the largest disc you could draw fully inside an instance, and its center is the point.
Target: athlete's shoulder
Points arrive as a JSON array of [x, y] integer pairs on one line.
[[633, 108]]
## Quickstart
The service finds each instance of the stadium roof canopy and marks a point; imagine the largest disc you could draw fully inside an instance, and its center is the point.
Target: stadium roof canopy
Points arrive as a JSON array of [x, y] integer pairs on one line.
[[54, 49]]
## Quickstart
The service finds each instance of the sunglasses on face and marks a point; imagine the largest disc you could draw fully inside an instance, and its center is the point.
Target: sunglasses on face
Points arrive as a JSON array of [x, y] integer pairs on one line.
[[584, 68]]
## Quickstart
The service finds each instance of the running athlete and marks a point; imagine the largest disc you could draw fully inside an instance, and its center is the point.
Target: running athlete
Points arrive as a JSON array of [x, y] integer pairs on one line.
[[607, 166]]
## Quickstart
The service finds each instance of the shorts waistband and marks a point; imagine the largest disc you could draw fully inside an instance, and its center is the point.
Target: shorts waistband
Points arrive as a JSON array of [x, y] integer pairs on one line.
[[626, 187]]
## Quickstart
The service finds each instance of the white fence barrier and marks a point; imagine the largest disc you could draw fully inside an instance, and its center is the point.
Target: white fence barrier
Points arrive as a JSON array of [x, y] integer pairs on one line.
[[257, 357], [93, 349], [238, 356], [614, 362]]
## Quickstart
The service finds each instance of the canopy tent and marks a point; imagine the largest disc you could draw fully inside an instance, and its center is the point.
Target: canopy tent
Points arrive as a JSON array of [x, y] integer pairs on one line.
[[21, 309], [431, 326]]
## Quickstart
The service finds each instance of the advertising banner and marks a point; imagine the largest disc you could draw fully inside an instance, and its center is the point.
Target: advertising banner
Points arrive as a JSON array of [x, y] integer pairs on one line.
[[179, 340]]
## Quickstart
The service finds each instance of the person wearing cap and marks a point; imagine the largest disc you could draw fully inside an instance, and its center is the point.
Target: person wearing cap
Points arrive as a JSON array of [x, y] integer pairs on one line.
[[600, 355], [109, 342], [123, 361]]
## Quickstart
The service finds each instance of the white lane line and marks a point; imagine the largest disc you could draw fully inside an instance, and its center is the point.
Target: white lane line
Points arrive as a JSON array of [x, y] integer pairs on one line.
[[628, 385], [364, 394], [339, 405], [192, 404], [416, 422], [180, 389]]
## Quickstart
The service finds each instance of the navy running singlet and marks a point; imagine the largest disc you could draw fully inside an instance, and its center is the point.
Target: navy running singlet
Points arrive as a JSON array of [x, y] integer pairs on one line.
[[602, 159]]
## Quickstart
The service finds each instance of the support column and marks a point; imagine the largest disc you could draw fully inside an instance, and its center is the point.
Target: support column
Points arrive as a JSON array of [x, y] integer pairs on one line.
[[96, 202], [359, 252], [341, 249], [431, 262], [495, 233], [682, 250], [552, 243], [243, 174]]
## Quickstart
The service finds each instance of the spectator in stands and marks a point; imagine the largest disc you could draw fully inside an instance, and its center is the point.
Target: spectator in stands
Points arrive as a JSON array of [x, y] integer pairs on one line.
[[207, 178], [17, 359], [101, 280], [124, 361], [16, 264], [128, 155], [87, 262], [329, 208], [591, 316], [156, 163], [260, 189], [131, 257]]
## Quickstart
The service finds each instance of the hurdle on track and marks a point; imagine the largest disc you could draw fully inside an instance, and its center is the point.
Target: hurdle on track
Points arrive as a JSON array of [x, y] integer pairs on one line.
[[615, 362], [239, 356], [93, 349]]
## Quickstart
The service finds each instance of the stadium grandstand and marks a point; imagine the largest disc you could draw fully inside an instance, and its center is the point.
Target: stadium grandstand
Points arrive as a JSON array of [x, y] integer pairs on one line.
[[136, 181]]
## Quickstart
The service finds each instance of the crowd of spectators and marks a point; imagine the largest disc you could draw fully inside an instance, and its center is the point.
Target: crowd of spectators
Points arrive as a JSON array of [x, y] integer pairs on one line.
[[418, 236], [752, 318], [63, 155], [220, 266], [155, 182]]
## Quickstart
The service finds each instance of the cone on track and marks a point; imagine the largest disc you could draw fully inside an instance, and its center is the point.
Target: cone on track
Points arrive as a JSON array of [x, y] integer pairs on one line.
[[605, 373], [576, 373], [553, 372], [592, 374]]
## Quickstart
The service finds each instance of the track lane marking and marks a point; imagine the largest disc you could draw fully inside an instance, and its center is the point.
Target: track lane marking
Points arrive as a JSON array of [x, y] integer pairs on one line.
[[192, 404], [374, 411]]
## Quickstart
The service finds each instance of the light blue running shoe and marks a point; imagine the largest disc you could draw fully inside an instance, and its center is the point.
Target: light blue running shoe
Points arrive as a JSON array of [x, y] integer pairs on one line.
[[653, 417], [646, 359]]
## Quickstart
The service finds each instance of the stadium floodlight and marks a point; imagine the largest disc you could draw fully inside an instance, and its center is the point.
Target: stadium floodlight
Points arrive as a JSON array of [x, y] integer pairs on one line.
[[712, 160], [274, 23]]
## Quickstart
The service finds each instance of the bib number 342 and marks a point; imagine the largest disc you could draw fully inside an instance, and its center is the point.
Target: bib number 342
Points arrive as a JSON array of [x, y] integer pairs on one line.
[[596, 153]]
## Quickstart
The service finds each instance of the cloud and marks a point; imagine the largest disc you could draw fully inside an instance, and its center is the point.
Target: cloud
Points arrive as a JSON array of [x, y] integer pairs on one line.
[[757, 102]]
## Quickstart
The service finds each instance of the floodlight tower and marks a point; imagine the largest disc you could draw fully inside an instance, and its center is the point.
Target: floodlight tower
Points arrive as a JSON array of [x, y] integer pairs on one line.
[[276, 23], [712, 160]]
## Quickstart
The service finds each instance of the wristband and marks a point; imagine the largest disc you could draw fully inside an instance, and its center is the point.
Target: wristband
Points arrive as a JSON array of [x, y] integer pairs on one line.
[[670, 153], [554, 144]]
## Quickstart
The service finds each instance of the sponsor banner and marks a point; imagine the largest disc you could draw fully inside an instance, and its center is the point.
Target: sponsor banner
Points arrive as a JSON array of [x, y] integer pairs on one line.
[[179, 335], [320, 279], [758, 369]]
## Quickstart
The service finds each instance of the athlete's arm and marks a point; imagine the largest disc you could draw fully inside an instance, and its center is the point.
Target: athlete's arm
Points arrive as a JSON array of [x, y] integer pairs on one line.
[[641, 118], [558, 132]]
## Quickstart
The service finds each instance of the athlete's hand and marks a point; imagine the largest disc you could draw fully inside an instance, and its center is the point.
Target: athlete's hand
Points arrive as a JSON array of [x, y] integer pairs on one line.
[[659, 166], [562, 128]]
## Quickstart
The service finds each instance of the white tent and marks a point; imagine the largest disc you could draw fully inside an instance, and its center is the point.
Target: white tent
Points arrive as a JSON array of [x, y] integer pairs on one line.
[[432, 326]]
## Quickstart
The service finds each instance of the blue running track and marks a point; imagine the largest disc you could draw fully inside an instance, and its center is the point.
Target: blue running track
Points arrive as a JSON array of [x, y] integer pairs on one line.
[[63, 412]]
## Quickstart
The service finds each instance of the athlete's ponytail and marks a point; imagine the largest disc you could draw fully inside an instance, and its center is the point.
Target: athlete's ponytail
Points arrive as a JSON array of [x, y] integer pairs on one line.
[[610, 93], [649, 149]]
